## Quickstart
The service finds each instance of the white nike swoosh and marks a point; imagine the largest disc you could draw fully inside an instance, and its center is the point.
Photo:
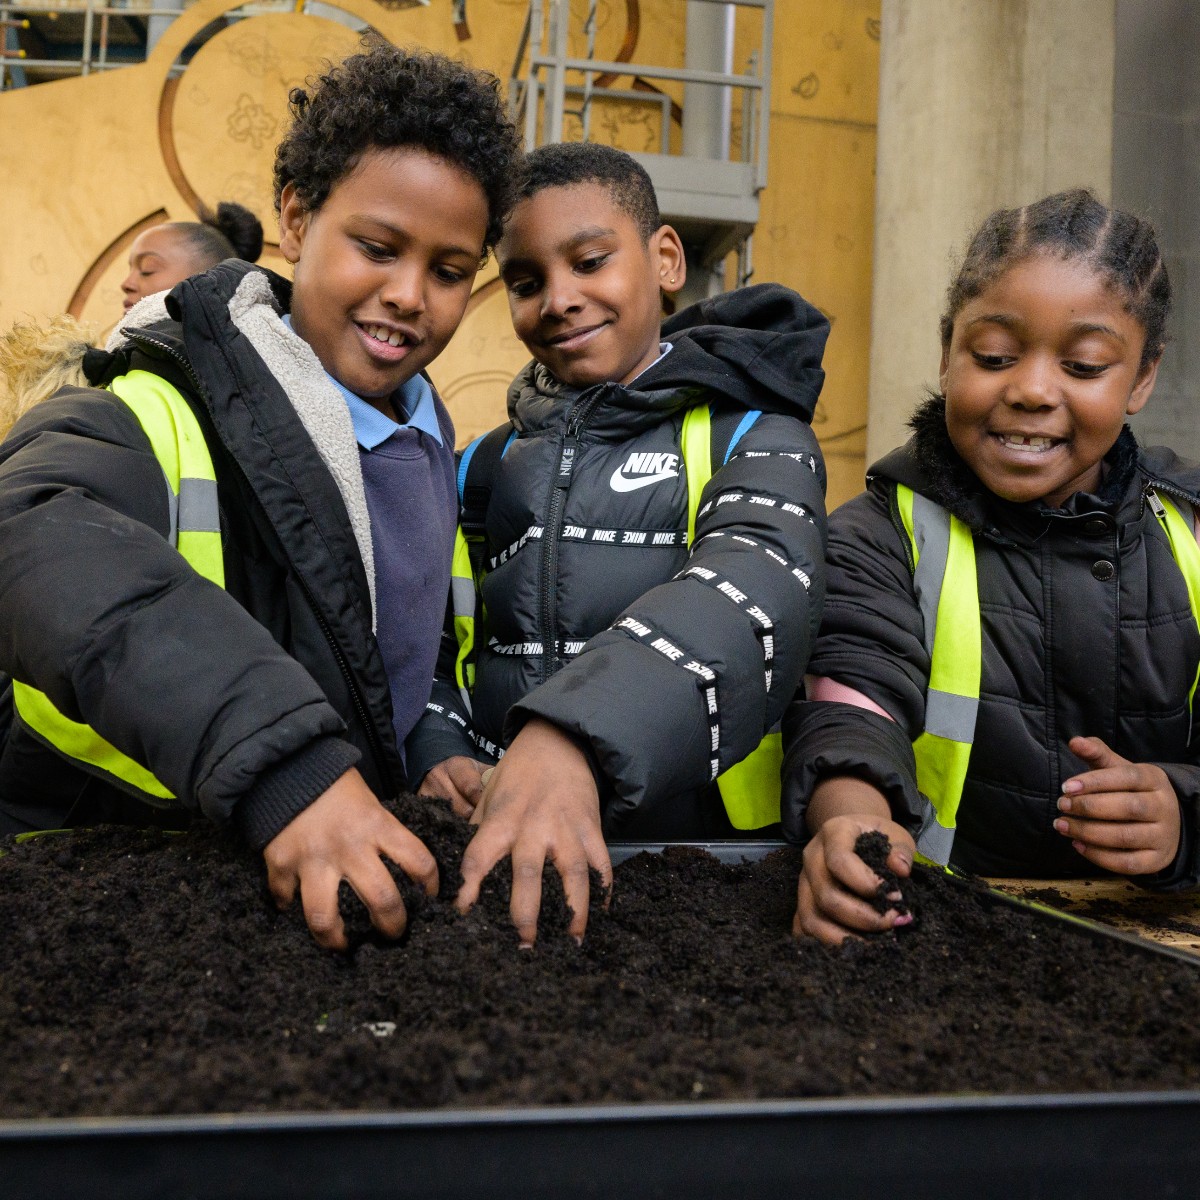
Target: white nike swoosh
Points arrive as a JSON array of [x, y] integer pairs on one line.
[[622, 483]]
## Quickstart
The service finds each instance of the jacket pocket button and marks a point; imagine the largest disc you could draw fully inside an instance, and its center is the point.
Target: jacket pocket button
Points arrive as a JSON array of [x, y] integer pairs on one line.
[[1103, 570]]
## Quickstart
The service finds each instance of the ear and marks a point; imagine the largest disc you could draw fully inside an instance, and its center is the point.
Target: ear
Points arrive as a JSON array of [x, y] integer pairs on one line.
[[944, 369], [293, 224], [1143, 386], [666, 253]]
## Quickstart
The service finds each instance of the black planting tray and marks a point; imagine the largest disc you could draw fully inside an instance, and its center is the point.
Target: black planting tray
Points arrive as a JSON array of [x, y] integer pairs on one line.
[[1043, 1147]]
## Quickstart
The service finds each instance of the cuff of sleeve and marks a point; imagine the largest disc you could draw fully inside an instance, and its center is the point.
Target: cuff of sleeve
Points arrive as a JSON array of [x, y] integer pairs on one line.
[[433, 740], [287, 788], [826, 738]]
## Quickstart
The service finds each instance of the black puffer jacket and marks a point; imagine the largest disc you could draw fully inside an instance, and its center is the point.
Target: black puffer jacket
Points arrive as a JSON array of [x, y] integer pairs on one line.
[[1086, 630], [573, 557], [254, 698]]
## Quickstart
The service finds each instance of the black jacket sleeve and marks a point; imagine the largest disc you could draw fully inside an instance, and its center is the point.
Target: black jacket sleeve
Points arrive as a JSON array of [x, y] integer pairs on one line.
[[870, 640], [690, 678], [102, 614]]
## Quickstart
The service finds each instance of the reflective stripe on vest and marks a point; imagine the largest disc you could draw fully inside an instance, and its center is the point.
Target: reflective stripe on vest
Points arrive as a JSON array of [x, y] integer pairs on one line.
[[462, 605], [1181, 533], [948, 597], [749, 789], [947, 590], [178, 444]]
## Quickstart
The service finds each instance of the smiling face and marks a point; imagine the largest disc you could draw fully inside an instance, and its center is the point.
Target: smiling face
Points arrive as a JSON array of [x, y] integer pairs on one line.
[[1041, 370], [584, 284], [159, 259], [384, 268]]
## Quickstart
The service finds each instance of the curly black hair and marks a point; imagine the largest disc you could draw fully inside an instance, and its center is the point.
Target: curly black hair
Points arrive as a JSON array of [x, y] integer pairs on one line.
[[1074, 224], [562, 164], [386, 98]]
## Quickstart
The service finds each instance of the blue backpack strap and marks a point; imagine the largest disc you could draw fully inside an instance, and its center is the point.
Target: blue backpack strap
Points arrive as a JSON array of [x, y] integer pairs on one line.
[[729, 426], [464, 464], [476, 474]]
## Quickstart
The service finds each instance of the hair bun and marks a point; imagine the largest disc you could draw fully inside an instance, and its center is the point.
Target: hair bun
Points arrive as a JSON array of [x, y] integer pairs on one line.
[[241, 228]]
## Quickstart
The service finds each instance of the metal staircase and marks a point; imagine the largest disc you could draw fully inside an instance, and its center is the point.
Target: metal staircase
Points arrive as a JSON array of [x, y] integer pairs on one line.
[[708, 172]]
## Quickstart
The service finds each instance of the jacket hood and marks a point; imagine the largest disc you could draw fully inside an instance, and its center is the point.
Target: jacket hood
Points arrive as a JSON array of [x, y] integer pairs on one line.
[[929, 464], [163, 313], [229, 317], [758, 348]]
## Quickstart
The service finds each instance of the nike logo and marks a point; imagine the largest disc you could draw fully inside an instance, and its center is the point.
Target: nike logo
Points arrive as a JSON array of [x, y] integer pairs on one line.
[[641, 470]]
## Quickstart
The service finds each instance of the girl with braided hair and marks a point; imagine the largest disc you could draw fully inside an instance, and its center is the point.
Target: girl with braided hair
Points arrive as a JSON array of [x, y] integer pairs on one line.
[[1004, 675]]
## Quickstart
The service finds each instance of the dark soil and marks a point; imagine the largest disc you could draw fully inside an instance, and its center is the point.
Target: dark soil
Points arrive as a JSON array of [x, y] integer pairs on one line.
[[142, 973], [874, 848]]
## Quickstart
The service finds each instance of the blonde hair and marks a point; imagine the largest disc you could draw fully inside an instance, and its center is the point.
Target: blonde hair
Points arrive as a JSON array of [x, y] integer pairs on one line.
[[38, 359]]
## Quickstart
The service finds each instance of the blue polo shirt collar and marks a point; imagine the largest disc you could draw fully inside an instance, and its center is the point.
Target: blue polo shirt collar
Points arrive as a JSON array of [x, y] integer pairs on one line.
[[412, 401]]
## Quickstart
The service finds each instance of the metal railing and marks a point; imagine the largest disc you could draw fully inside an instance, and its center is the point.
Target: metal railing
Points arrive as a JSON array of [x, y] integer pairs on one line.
[[543, 85], [95, 43]]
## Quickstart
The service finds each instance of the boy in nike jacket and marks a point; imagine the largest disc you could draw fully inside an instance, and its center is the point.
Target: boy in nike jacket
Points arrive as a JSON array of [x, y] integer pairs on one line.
[[624, 663]]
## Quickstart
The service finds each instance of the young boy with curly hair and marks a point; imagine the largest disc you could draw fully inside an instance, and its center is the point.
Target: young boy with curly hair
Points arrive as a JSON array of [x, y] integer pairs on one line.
[[254, 638]]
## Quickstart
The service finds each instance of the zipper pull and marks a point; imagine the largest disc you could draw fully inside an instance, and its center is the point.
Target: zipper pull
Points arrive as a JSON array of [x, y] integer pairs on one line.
[[576, 420]]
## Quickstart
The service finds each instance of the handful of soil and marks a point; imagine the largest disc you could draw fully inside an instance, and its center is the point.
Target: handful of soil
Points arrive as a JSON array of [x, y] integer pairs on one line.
[[873, 848]]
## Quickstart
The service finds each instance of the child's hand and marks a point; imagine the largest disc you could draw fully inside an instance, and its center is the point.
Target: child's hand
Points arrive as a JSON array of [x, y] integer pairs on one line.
[[459, 780], [836, 889], [1122, 816], [341, 835], [539, 803]]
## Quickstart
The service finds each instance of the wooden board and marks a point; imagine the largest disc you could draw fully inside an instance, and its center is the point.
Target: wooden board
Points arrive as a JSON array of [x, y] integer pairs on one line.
[[1173, 919], [90, 162]]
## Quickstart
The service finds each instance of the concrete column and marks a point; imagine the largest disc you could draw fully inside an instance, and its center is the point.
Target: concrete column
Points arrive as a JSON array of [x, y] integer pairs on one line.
[[982, 104], [1156, 173]]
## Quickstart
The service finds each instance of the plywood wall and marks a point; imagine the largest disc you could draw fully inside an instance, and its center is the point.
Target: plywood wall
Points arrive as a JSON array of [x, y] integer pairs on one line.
[[88, 163]]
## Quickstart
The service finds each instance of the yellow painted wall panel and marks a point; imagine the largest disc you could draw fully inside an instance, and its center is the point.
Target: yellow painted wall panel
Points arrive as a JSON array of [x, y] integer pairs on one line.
[[78, 165], [827, 60], [815, 235], [85, 160], [230, 109]]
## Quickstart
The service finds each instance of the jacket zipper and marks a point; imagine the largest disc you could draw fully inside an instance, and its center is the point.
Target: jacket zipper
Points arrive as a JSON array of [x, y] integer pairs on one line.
[[577, 419], [360, 707], [1158, 485]]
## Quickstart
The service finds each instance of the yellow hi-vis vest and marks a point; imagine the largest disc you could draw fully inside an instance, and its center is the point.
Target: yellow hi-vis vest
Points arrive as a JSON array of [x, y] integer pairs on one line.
[[947, 591], [179, 446], [749, 789]]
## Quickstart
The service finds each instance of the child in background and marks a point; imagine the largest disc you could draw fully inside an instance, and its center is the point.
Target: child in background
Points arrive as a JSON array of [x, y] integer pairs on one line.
[[165, 255], [624, 663], [257, 648], [1005, 672]]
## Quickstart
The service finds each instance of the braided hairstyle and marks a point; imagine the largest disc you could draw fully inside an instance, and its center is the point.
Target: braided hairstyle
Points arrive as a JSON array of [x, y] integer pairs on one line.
[[388, 98], [1074, 225]]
